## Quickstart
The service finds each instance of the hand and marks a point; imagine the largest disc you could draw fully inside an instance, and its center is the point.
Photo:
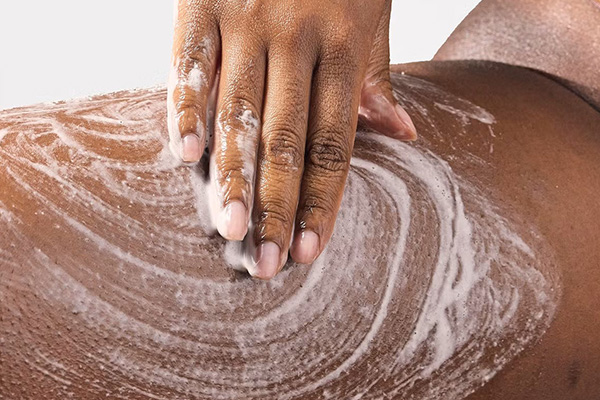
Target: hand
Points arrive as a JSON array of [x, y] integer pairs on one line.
[[290, 78]]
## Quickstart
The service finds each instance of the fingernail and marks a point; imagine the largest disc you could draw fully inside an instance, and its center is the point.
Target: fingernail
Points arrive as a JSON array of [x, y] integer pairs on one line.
[[410, 133], [233, 224], [191, 149], [268, 258], [305, 247]]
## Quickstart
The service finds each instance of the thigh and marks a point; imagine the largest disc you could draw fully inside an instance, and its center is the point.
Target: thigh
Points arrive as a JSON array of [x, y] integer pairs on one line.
[[467, 259], [544, 163]]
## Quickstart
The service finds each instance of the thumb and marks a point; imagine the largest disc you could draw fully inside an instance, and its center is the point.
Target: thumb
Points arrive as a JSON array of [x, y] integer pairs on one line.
[[378, 109]]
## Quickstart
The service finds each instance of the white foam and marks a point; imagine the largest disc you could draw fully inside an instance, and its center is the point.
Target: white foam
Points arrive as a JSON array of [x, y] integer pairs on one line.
[[435, 305]]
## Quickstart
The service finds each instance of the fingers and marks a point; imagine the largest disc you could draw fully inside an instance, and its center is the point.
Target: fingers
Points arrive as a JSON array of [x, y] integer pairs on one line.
[[330, 140], [194, 64], [281, 157], [233, 156], [378, 109]]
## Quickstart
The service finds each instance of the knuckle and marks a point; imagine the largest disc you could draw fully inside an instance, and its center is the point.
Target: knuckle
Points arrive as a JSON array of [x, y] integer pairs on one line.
[[330, 152], [189, 100], [282, 148], [239, 111], [195, 50], [316, 204], [194, 59], [197, 57], [275, 213], [240, 103], [300, 41], [301, 31], [341, 52], [290, 39], [232, 173], [193, 75]]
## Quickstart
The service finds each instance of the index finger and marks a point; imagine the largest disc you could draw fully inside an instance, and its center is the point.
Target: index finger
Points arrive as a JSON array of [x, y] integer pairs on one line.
[[194, 63]]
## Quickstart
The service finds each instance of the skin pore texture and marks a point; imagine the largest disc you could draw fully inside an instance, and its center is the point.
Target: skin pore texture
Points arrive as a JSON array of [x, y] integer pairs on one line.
[[477, 264], [559, 38], [476, 274], [288, 80]]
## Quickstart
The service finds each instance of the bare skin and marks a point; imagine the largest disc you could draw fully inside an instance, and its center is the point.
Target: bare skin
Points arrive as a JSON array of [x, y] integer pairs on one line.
[[98, 293], [562, 40], [548, 164], [543, 167], [559, 38], [292, 78]]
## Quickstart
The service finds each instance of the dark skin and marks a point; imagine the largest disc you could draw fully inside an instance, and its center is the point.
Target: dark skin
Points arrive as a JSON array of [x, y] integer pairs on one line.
[[566, 363], [293, 78], [560, 202], [285, 80], [544, 166], [558, 38]]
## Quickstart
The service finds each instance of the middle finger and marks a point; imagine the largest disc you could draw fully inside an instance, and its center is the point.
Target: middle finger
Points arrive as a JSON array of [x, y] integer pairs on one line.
[[281, 154]]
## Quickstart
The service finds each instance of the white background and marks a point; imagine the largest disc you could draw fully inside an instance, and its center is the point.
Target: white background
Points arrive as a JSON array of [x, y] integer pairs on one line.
[[61, 49]]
